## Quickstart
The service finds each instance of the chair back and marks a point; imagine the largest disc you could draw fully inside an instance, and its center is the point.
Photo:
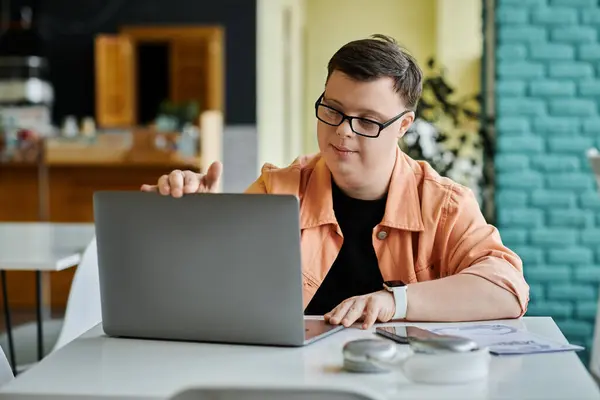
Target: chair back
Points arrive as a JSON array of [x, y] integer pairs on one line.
[[6, 373], [83, 306]]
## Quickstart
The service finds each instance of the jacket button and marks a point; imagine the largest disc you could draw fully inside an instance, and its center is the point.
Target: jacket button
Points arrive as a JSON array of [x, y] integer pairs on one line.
[[381, 235]]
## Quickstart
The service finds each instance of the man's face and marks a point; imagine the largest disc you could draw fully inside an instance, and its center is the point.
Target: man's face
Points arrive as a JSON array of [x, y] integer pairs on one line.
[[349, 156]]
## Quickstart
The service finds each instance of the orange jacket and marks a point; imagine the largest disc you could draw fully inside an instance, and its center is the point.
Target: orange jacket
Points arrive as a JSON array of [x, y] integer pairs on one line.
[[432, 227]]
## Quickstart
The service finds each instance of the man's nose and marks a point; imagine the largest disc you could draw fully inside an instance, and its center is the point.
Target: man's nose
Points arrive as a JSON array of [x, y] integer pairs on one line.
[[344, 129]]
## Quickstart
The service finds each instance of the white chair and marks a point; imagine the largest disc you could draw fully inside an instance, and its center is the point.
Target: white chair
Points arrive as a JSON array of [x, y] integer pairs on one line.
[[82, 313], [6, 374], [594, 159], [84, 309]]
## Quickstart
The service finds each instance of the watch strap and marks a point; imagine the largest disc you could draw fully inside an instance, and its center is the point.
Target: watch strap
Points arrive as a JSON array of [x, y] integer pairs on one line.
[[400, 298]]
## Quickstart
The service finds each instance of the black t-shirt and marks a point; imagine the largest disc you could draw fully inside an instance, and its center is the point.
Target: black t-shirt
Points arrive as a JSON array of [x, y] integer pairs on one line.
[[356, 270]]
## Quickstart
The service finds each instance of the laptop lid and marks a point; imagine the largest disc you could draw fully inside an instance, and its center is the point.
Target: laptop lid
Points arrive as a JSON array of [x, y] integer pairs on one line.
[[204, 267]]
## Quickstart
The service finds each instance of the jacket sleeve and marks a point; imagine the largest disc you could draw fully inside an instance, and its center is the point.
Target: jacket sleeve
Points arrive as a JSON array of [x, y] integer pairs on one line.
[[257, 187], [471, 246], [261, 184]]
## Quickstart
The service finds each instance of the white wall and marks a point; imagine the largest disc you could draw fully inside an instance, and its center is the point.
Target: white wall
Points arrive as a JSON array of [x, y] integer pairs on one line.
[[279, 80]]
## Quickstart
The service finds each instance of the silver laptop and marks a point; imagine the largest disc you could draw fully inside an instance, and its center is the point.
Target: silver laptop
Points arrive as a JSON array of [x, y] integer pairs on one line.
[[220, 268]]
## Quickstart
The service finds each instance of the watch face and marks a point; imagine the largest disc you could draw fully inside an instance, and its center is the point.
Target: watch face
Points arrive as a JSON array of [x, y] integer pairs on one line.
[[394, 283]]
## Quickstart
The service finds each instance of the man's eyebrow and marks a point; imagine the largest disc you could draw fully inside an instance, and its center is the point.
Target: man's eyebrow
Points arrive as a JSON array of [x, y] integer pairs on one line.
[[362, 110], [327, 99]]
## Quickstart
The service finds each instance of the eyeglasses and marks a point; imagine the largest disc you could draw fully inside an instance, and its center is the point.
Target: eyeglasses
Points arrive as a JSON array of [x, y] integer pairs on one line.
[[360, 126]]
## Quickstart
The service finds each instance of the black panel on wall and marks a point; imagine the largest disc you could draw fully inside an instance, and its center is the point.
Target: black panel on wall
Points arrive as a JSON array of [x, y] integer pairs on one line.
[[69, 26]]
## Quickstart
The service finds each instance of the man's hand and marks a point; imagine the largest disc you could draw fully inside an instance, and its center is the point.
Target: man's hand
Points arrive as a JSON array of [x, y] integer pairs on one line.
[[379, 306], [178, 183]]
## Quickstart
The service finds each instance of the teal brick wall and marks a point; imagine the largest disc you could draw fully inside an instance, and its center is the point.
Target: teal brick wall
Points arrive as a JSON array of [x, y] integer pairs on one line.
[[548, 115]]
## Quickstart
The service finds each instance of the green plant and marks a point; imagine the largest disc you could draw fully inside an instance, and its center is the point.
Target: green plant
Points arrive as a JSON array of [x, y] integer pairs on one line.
[[177, 115], [453, 136]]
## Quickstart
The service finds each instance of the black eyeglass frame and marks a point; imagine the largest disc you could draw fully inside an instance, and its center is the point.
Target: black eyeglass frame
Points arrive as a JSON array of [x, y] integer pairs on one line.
[[345, 117]]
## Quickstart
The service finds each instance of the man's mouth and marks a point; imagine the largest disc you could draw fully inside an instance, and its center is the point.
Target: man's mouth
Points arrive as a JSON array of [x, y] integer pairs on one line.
[[342, 149]]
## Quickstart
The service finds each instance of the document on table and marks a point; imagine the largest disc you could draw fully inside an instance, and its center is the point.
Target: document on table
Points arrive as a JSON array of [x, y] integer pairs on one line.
[[505, 339]]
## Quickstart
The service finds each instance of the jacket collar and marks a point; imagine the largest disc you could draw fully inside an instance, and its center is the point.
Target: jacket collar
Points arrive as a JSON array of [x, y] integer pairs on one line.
[[402, 208], [317, 203]]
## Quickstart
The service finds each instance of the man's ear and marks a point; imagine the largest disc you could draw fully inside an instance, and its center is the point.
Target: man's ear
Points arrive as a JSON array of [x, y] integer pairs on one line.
[[405, 123]]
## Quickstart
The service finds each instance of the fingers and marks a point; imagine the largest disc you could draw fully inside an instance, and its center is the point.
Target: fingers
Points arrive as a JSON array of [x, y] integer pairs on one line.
[[355, 312], [184, 182], [335, 316], [372, 312], [164, 187], [349, 311], [191, 182], [149, 188], [212, 177], [176, 183], [378, 306]]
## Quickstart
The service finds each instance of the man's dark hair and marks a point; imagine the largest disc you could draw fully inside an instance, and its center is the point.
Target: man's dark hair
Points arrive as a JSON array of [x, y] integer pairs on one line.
[[377, 57]]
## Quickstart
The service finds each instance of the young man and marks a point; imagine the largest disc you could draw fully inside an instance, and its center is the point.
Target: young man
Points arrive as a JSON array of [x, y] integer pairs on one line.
[[369, 214]]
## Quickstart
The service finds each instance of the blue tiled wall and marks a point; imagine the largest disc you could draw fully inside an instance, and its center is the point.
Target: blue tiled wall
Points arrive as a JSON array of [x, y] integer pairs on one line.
[[548, 109]]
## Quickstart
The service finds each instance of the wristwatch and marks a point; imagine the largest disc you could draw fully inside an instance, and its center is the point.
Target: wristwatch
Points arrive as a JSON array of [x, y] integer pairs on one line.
[[398, 289]]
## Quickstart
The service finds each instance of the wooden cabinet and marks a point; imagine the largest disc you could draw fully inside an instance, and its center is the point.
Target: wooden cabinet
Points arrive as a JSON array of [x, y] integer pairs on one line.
[[62, 191], [72, 176], [195, 63], [115, 78]]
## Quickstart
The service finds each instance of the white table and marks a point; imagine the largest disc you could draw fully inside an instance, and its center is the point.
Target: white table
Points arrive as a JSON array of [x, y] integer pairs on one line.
[[113, 368], [39, 247]]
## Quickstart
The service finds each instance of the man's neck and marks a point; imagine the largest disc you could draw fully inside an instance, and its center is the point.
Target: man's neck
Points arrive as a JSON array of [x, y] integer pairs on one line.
[[373, 188], [364, 193]]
